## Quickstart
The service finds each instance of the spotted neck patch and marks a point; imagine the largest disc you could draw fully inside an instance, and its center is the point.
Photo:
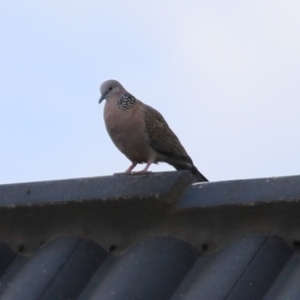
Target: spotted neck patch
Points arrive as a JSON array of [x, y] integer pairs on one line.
[[126, 101]]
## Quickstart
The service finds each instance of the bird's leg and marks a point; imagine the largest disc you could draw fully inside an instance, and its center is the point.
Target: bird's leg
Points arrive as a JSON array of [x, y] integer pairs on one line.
[[145, 170], [133, 165]]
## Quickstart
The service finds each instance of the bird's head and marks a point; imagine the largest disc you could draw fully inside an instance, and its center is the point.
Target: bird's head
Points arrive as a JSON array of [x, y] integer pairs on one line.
[[111, 88]]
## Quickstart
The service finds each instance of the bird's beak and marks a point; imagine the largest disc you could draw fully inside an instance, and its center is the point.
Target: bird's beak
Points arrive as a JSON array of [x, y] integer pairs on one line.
[[101, 98]]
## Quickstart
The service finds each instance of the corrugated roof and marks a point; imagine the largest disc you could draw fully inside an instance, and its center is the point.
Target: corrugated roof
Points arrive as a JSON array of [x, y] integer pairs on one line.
[[150, 237]]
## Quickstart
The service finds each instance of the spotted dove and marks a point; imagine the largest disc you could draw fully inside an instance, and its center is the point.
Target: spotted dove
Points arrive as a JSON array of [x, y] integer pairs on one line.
[[140, 132]]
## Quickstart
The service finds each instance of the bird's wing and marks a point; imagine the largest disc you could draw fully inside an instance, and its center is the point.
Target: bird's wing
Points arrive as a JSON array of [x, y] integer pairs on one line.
[[161, 137]]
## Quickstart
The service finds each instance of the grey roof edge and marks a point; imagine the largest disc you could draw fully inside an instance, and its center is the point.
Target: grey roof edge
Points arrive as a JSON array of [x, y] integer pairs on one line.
[[121, 209], [163, 187], [246, 193]]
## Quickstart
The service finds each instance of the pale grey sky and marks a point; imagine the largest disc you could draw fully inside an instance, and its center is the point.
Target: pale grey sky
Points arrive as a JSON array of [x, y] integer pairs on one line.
[[225, 75]]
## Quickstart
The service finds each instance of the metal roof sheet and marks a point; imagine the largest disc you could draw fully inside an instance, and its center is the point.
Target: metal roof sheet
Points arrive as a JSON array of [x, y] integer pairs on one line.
[[155, 236]]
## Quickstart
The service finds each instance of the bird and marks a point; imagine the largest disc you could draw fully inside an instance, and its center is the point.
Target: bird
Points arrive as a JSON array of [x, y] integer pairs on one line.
[[140, 132]]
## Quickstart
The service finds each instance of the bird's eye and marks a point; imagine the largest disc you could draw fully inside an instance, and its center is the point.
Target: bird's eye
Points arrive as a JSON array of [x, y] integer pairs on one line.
[[110, 88]]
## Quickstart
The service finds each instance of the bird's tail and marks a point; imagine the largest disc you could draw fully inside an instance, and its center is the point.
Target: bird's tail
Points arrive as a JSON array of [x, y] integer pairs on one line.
[[199, 176], [190, 166], [185, 163]]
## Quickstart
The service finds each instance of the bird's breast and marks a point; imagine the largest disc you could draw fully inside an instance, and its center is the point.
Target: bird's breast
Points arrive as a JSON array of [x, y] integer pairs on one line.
[[127, 130]]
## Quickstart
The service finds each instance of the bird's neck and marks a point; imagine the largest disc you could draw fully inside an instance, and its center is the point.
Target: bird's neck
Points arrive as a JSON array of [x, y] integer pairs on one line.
[[126, 101]]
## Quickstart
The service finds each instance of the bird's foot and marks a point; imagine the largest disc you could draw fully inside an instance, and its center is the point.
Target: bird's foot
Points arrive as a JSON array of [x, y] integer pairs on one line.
[[144, 171], [129, 170], [133, 165]]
